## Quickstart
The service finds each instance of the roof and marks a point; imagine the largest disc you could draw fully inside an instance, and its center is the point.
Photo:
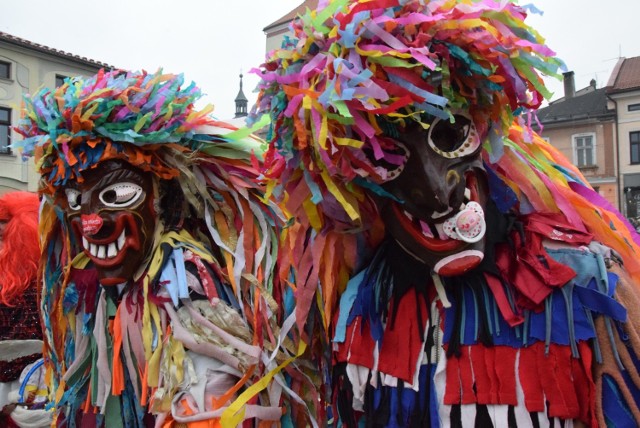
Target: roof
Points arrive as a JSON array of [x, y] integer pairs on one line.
[[625, 76], [241, 96], [589, 105], [311, 4], [5, 37]]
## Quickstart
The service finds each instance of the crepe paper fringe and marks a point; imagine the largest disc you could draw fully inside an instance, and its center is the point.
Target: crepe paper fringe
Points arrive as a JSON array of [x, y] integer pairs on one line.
[[115, 114], [355, 67]]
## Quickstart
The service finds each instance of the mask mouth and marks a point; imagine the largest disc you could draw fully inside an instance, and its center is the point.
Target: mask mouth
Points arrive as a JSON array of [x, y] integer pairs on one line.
[[448, 231], [110, 251]]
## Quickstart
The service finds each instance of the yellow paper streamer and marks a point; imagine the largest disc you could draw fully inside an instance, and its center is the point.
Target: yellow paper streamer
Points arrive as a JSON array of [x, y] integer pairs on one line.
[[234, 414], [333, 189]]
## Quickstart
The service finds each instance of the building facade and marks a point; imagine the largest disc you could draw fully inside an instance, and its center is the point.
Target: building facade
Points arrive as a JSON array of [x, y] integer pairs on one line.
[[277, 30], [24, 68], [623, 90], [582, 126]]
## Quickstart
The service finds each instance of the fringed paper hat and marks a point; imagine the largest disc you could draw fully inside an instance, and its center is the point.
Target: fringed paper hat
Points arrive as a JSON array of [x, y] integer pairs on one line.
[[139, 117], [358, 71]]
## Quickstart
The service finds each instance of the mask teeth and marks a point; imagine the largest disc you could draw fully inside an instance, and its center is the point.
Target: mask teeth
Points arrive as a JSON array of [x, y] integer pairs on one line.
[[441, 235], [467, 199], [438, 215], [426, 229], [107, 251], [112, 250], [121, 240]]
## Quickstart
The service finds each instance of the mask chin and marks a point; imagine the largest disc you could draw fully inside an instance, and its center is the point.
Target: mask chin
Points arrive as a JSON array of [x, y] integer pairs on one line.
[[450, 244]]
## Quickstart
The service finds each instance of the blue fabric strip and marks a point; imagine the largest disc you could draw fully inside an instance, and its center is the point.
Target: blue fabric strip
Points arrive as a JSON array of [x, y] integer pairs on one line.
[[346, 303], [614, 407]]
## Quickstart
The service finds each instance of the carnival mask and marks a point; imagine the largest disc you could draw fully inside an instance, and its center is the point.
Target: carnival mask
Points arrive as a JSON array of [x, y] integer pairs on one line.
[[111, 212], [441, 193]]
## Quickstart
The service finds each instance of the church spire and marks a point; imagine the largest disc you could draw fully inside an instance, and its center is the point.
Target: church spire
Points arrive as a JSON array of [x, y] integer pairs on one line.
[[241, 102]]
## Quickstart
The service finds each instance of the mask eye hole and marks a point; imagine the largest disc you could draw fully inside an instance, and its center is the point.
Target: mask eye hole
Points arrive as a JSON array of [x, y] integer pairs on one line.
[[121, 195], [456, 139], [73, 198], [392, 161]]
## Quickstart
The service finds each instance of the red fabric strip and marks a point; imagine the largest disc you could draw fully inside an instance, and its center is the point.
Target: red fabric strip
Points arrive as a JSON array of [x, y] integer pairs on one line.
[[506, 373], [360, 344], [402, 342], [499, 294], [547, 370], [483, 383], [466, 377], [453, 393], [529, 378], [490, 362], [565, 383], [584, 385]]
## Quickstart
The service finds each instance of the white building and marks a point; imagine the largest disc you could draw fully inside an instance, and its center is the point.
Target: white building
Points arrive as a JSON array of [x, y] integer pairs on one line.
[[25, 67]]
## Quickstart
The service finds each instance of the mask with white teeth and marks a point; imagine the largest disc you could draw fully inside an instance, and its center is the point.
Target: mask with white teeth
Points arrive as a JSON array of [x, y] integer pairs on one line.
[[438, 214], [112, 211]]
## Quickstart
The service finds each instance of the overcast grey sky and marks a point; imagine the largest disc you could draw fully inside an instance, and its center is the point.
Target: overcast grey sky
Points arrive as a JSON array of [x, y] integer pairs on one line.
[[210, 41]]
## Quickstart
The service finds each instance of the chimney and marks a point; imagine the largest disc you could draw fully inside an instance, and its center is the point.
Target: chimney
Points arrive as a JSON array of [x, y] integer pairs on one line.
[[593, 83], [569, 85]]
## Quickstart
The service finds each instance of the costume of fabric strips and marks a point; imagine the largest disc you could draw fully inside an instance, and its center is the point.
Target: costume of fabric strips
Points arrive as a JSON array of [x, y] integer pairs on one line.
[[464, 271], [159, 247]]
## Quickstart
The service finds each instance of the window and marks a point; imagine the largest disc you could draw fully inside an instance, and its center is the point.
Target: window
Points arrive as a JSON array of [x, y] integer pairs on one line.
[[633, 107], [5, 130], [634, 146], [584, 150], [60, 80], [5, 70]]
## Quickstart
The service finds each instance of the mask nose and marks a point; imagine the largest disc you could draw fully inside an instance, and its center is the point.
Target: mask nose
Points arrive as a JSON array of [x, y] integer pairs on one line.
[[91, 224]]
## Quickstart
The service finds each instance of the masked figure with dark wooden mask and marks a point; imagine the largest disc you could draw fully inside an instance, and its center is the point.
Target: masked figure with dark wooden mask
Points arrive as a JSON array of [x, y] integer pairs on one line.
[[158, 240], [458, 262]]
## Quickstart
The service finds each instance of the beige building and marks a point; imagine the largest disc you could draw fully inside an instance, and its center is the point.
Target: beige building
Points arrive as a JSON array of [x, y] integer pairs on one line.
[[24, 68], [582, 126], [623, 90], [277, 30]]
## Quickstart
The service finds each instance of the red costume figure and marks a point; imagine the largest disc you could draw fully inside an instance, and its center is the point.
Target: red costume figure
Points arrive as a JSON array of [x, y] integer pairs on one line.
[[20, 332]]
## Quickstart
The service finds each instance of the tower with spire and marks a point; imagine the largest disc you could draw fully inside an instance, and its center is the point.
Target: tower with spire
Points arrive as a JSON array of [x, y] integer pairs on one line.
[[241, 102]]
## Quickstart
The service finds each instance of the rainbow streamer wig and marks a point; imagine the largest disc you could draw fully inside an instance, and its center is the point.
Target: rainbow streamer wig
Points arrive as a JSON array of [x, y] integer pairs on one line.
[[137, 117], [360, 69]]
